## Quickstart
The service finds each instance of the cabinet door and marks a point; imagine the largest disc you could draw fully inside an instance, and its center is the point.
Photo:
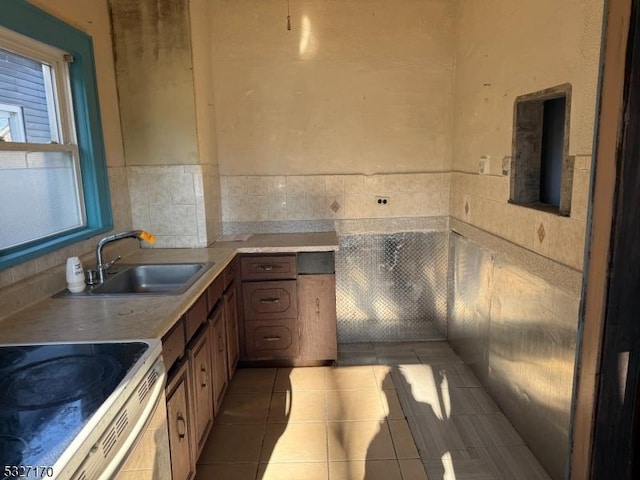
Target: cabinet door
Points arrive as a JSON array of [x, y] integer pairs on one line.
[[219, 341], [201, 379], [317, 317], [178, 396], [231, 319]]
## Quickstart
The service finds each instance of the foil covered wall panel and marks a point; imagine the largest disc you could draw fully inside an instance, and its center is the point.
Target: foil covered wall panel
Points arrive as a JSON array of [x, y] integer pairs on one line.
[[518, 332], [392, 287]]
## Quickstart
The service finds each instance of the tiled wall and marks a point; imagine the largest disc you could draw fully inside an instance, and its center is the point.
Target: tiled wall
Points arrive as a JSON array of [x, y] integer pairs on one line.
[[170, 201], [482, 201], [327, 197]]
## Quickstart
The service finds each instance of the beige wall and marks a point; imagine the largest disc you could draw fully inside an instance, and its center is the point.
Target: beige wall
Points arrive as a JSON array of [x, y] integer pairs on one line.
[[504, 49], [358, 87]]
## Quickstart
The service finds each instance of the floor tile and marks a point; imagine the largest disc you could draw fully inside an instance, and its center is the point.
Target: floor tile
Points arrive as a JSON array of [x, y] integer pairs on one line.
[[365, 470], [250, 380], [512, 463], [455, 375], [227, 471], [295, 442], [357, 358], [403, 442], [412, 469], [285, 471], [244, 408], [308, 378], [366, 421], [391, 404], [360, 441], [351, 378], [298, 406], [459, 467], [398, 358], [492, 430], [435, 437], [382, 373], [471, 401], [233, 443], [345, 405]]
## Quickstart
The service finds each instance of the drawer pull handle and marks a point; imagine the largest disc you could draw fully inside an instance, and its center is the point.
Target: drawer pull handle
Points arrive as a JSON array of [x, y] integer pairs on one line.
[[205, 376], [274, 338], [267, 268], [181, 422], [270, 300]]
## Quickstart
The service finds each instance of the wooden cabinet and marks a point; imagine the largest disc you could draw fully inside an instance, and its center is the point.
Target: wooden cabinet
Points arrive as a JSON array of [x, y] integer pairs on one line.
[[317, 317], [231, 325], [219, 356], [199, 354], [288, 308], [179, 422]]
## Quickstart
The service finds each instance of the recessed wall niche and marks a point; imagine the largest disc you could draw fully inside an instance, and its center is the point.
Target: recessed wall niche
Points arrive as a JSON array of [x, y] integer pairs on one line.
[[542, 170]]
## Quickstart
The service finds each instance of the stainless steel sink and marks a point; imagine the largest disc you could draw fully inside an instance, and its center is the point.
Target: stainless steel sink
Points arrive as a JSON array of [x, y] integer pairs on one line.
[[151, 279], [144, 280]]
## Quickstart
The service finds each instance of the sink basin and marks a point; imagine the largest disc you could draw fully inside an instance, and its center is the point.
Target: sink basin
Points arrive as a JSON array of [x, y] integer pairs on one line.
[[151, 279]]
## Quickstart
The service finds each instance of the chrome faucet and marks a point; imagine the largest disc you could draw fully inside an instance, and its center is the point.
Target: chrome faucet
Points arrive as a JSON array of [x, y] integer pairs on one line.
[[102, 267]]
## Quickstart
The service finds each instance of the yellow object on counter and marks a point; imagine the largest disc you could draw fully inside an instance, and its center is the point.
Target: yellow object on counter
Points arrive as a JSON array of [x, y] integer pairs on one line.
[[149, 237]]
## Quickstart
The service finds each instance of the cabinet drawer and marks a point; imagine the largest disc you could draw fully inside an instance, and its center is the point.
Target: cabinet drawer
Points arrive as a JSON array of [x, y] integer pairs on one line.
[[272, 340], [196, 316], [229, 273], [173, 344], [268, 268], [270, 300], [214, 291]]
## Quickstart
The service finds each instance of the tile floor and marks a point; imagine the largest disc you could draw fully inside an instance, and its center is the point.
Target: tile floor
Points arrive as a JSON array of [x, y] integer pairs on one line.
[[387, 412]]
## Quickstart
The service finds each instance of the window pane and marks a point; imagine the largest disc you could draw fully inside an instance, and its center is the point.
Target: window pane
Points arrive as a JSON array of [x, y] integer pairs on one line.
[[27, 100], [39, 194]]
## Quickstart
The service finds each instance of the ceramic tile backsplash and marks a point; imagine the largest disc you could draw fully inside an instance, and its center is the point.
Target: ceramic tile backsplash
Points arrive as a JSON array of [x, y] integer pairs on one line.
[[482, 201], [333, 197], [180, 204]]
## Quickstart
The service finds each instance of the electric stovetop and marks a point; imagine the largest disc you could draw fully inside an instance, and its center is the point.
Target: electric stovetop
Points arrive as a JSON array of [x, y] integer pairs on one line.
[[49, 392]]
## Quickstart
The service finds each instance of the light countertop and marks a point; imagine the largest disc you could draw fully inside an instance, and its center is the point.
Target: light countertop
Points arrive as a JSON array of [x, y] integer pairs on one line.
[[128, 318]]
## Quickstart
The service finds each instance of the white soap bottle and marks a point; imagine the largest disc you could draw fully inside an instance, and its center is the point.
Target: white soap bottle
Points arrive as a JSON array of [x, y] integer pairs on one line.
[[75, 275]]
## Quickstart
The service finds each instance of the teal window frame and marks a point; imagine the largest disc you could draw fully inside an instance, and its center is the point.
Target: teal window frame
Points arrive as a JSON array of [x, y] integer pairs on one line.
[[28, 20]]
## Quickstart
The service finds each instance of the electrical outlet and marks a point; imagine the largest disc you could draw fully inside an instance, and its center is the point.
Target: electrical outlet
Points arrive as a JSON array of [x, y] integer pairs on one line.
[[382, 200]]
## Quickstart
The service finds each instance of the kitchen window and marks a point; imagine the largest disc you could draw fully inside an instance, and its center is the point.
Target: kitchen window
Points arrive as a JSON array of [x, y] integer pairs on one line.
[[53, 177]]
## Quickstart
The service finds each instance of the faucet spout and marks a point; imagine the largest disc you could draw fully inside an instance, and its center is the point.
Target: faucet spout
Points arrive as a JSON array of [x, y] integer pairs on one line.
[[139, 234]]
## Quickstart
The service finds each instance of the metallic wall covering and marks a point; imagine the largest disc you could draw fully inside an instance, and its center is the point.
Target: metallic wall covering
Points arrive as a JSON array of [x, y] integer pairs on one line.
[[392, 287], [518, 334]]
